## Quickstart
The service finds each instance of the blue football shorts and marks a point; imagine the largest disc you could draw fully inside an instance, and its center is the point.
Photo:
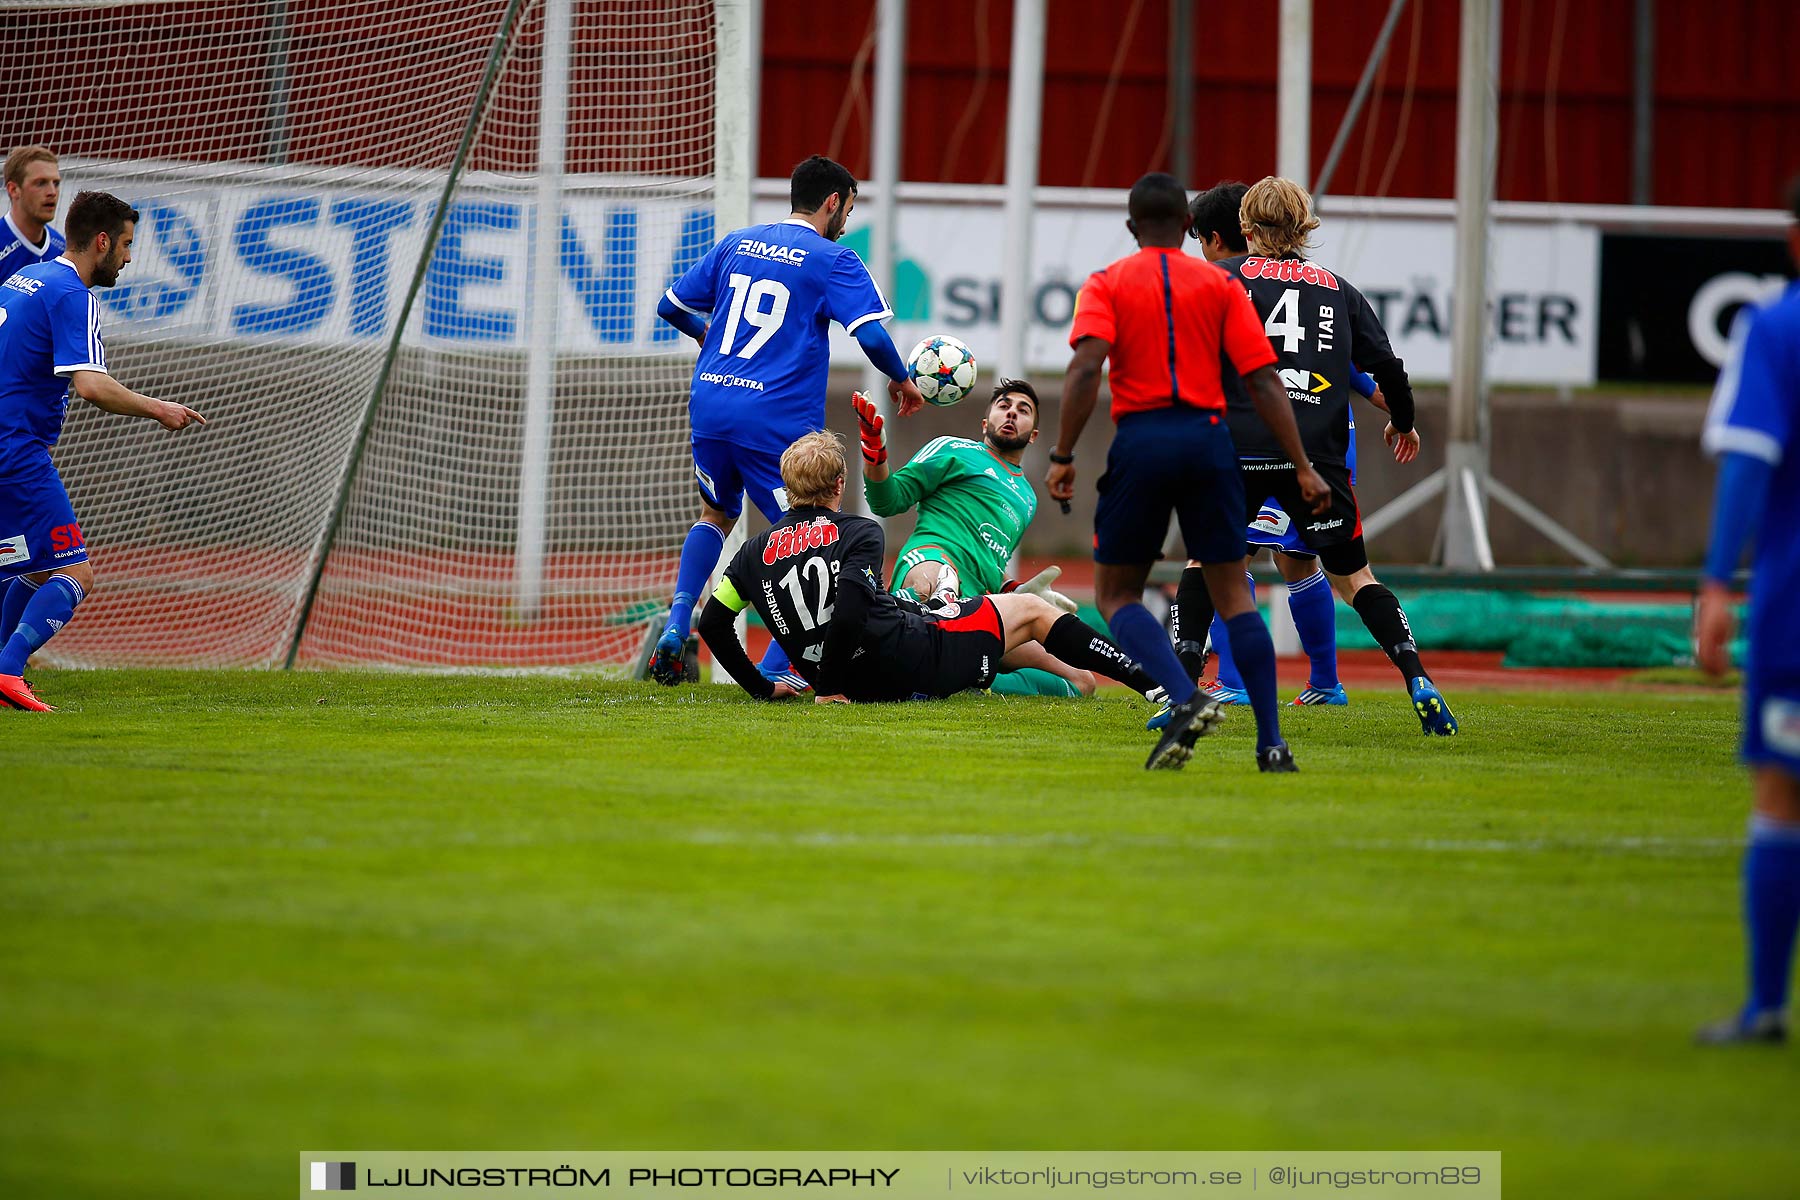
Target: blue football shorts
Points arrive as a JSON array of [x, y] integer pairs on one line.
[[1170, 460], [1274, 529], [38, 530], [1772, 717], [725, 472]]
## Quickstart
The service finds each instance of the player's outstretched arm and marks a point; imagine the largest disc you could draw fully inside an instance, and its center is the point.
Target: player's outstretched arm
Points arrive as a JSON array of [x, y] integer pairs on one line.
[[1743, 487], [108, 394], [858, 582], [681, 317], [871, 430], [1404, 445], [1081, 389], [879, 347], [718, 629]]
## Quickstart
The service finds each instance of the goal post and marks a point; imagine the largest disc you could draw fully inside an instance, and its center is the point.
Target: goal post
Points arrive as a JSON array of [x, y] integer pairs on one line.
[[492, 474]]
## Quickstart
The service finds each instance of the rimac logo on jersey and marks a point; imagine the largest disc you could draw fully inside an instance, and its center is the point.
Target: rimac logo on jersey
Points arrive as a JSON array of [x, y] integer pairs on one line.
[[797, 539], [792, 255], [1287, 270]]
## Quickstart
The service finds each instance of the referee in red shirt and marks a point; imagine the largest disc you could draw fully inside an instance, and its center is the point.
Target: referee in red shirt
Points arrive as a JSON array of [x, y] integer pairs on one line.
[[1166, 322]]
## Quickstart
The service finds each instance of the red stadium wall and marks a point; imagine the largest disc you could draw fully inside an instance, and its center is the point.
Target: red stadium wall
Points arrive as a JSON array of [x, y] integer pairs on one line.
[[1727, 112]]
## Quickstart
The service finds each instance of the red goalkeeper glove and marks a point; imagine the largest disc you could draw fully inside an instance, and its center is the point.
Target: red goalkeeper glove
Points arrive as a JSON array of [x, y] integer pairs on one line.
[[871, 428]]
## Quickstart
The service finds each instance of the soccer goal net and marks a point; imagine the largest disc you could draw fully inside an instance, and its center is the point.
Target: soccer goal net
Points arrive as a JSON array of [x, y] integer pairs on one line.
[[404, 256]]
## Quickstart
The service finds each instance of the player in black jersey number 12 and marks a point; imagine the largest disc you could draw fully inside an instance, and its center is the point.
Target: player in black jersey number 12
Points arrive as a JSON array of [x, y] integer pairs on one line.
[[815, 580]]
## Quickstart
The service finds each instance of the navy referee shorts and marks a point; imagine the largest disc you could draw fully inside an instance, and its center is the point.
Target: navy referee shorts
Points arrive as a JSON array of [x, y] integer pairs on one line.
[[1176, 460]]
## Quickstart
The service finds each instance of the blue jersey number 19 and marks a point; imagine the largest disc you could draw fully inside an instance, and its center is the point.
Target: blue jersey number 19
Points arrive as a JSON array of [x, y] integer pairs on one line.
[[747, 303]]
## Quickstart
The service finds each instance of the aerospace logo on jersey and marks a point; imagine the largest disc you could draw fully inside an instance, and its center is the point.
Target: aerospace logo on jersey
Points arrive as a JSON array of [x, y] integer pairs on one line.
[[1303, 386]]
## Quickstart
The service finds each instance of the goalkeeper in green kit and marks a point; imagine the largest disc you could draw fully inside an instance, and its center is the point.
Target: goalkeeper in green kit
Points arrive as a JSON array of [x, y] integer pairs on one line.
[[974, 505]]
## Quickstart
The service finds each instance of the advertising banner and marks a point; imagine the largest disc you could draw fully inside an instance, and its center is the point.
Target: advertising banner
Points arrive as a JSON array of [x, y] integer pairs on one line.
[[331, 265], [1667, 303]]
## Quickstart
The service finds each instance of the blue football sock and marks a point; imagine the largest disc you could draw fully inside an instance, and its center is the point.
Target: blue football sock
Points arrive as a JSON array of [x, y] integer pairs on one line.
[[1221, 643], [1771, 910], [1254, 651], [699, 555], [1143, 637], [12, 605], [1315, 617], [775, 660], [49, 610]]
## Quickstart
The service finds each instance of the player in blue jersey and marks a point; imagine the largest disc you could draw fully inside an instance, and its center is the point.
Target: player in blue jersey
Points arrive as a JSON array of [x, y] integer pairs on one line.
[[33, 183], [761, 305], [1754, 429], [49, 346]]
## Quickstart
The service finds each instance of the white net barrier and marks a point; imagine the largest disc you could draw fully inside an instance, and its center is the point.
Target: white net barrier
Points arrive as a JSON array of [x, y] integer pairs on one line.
[[522, 492]]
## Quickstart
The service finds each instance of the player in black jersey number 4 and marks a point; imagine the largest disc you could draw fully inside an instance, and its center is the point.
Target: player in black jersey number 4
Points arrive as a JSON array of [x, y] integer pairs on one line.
[[815, 580], [1322, 330]]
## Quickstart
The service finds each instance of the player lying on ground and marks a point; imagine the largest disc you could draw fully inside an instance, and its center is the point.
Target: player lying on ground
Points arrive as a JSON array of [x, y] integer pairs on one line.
[[1754, 429], [815, 580], [1322, 330], [761, 304], [974, 505], [50, 345]]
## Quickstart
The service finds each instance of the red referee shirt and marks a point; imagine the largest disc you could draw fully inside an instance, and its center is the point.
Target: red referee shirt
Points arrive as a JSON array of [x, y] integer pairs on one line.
[[1169, 317]]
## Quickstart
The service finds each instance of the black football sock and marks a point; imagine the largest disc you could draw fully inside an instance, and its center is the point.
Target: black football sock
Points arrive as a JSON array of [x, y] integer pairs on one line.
[[1080, 645], [1140, 680], [1381, 615], [1189, 618]]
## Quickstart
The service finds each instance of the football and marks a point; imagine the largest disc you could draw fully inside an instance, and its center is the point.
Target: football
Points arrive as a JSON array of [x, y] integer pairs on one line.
[[943, 368]]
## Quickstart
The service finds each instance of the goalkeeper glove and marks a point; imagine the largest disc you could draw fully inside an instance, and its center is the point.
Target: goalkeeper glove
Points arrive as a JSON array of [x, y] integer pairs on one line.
[[1039, 585], [871, 428]]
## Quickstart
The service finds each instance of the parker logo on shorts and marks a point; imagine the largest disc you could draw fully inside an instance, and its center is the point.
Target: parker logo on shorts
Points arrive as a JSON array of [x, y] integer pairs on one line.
[[1322, 526], [14, 550], [1781, 725]]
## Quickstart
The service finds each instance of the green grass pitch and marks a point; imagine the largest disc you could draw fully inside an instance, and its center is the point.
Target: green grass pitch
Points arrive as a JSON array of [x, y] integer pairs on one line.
[[242, 915]]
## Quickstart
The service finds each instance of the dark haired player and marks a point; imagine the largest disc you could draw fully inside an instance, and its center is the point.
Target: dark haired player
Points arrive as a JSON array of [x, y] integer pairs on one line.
[[815, 580], [49, 346], [1322, 330], [1213, 222], [974, 504], [1166, 322], [1754, 429], [761, 304]]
